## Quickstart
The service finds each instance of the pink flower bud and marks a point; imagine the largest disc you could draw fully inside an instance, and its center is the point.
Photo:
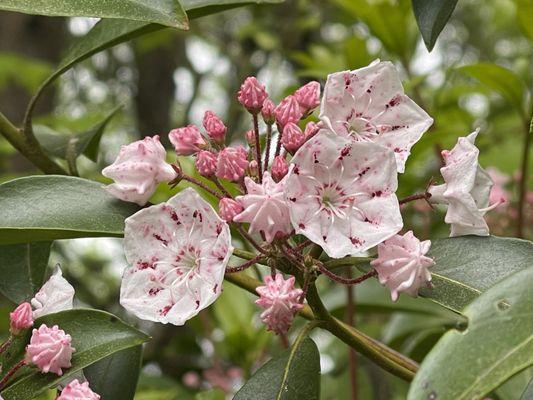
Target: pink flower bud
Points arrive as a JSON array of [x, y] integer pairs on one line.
[[214, 127], [139, 167], [311, 129], [267, 112], [308, 96], [250, 138], [206, 163], [280, 300], [21, 318], [292, 137], [78, 391], [187, 140], [49, 349], [280, 168], [252, 94], [232, 163], [254, 168], [288, 111], [228, 209]]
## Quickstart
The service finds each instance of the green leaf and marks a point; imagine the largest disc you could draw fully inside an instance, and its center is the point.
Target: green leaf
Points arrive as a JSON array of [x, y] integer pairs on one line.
[[524, 13], [497, 344], [528, 393], [164, 12], [214, 394], [87, 143], [115, 377], [293, 375], [431, 17], [467, 266], [200, 8], [22, 267], [499, 79], [95, 335], [44, 208]]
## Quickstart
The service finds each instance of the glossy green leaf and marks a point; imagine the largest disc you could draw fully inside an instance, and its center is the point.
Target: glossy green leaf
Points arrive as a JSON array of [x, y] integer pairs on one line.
[[115, 377], [293, 375], [95, 335], [467, 266], [200, 8], [87, 143], [164, 12], [44, 208], [23, 267], [431, 17], [528, 393], [499, 79], [497, 344]]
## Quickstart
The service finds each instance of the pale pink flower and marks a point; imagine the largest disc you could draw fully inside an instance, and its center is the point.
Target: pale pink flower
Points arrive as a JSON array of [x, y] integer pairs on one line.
[[308, 96], [178, 252], [311, 129], [206, 163], [280, 300], [21, 318], [253, 168], [187, 140], [252, 94], [228, 209], [402, 264], [265, 208], [341, 194], [498, 194], [232, 163], [292, 137], [288, 111], [369, 104], [76, 390], [139, 167], [250, 137], [214, 127], [50, 349], [466, 189], [280, 168], [267, 112], [54, 296]]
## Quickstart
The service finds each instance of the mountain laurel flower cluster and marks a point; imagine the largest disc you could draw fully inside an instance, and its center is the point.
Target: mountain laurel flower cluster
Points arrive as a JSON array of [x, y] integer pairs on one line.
[[304, 191]]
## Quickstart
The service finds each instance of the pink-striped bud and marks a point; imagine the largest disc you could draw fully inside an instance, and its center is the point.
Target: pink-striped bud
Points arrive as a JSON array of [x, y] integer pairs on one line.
[[267, 112], [292, 137], [254, 168], [214, 127], [308, 96], [206, 163], [288, 111], [50, 349], [280, 168], [232, 163], [187, 140], [21, 318], [311, 129], [250, 138], [252, 94], [228, 209]]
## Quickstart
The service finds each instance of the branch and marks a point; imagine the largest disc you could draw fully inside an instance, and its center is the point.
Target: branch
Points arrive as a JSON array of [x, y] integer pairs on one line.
[[522, 192]]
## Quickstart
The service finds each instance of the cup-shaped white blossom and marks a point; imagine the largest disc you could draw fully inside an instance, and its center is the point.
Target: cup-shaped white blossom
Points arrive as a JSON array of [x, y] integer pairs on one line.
[[265, 208], [54, 296], [402, 264], [369, 104], [466, 190], [138, 169], [341, 194], [178, 252]]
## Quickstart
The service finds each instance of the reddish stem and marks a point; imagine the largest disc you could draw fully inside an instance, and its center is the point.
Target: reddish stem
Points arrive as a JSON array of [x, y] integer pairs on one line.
[[278, 145], [245, 235], [416, 196], [11, 372], [267, 146], [346, 281], [6, 344], [220, 187], [257, 147], [350, 320], [242, 267]]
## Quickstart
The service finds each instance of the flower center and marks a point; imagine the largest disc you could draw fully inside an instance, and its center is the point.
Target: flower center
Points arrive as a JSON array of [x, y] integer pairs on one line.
[[361, 128]]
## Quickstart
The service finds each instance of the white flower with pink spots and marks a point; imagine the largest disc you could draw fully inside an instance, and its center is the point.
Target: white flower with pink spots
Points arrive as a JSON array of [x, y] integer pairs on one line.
[[178, 252], [341, 194], [369, 104]]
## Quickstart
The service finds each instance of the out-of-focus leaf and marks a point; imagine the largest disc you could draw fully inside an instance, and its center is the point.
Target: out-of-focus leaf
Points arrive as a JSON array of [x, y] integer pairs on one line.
[[24, 71], [293, 375], [164, 12], [95, 335], [467, 266], [87, 143], [431, 17], [499, 79], [44, 208], [22, 267], [115, 377], [528, 393], [214, 394], [496, 345], [524, 13]]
